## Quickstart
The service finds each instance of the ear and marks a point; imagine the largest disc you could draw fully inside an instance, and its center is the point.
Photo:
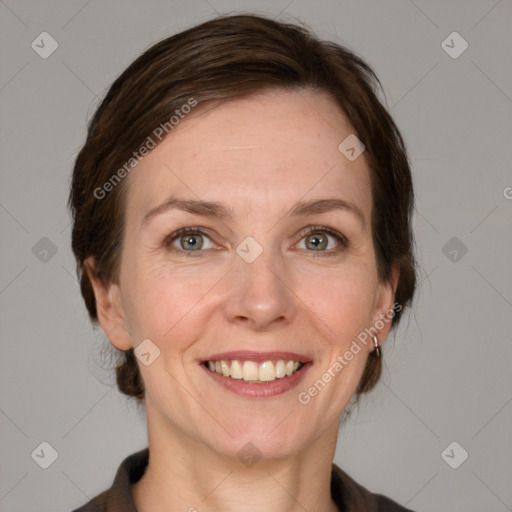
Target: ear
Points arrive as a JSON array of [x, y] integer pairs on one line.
[[109, 308], [385, 299]]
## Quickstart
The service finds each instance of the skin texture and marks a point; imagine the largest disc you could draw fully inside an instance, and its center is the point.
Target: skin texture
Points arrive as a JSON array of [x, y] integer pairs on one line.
[[257, 156]]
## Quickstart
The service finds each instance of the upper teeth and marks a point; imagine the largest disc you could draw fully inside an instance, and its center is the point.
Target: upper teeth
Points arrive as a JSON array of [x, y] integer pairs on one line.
[[253, 371]]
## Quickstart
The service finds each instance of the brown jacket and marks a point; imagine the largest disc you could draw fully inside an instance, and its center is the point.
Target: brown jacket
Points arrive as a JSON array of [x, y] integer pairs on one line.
[[348, 495]]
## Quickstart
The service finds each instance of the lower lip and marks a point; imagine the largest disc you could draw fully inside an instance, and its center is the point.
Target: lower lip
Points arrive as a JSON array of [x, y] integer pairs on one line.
[[264, 390]]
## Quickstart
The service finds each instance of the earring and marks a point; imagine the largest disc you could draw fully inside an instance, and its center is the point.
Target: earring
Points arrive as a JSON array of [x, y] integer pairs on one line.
[[377, 348]]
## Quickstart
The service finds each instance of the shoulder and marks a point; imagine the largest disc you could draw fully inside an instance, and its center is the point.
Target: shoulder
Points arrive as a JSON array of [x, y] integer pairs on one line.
[[97, 504], [352, 496], [118, 498], [387, 505]]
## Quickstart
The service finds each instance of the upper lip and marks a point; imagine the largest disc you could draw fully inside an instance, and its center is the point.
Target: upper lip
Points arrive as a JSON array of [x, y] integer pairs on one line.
[[259, 357]]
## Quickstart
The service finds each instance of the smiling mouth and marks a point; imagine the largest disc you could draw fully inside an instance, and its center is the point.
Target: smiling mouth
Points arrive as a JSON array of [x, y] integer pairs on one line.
[[252, 371]]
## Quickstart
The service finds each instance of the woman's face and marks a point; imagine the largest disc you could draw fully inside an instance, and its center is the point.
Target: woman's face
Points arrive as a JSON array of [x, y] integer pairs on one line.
[[275, 256]]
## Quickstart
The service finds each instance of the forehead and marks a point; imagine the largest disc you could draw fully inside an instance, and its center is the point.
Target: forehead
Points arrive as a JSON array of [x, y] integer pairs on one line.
[[266, 152]]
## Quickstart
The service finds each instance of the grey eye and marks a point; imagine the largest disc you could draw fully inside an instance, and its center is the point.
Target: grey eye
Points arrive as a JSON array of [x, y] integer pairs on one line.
[[318, 241], [192, 242]]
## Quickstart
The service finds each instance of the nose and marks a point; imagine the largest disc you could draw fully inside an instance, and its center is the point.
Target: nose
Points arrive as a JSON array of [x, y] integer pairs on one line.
[[260, 296]]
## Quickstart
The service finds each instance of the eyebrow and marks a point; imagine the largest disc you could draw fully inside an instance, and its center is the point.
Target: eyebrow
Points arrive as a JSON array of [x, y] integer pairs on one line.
[[327, 205], [218, 210], [198, 207]]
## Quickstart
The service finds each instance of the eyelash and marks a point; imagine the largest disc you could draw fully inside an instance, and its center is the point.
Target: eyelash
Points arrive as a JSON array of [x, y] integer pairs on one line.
[[342, 240]]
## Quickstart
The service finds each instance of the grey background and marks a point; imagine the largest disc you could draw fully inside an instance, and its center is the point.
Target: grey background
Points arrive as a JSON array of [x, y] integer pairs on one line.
[[447, 374]]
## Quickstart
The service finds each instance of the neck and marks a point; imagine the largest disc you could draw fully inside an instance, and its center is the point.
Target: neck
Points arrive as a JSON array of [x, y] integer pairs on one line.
[[184, 474]]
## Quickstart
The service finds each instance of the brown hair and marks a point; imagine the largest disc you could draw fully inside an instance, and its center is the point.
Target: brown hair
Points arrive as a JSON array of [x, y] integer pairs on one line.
[[225, 58]]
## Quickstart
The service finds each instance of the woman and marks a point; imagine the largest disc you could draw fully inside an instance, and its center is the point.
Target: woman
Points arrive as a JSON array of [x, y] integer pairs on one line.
[[242, 232]]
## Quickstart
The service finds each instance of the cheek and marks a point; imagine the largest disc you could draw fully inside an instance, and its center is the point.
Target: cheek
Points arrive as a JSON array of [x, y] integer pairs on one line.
[[173, 302], [341, 299], [164, 302]]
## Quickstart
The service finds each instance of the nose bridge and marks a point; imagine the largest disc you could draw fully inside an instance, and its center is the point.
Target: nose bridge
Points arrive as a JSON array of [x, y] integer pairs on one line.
[[259, 294]]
